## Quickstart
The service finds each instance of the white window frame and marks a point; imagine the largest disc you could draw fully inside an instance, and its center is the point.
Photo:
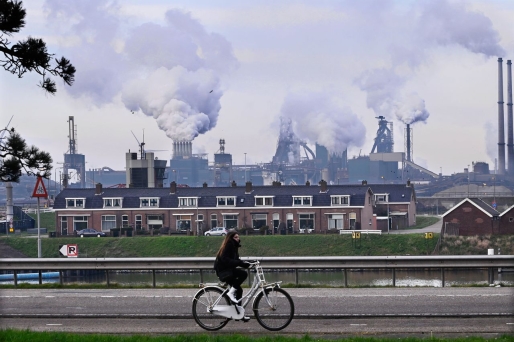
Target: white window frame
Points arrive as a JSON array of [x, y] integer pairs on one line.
[[108, 219], [138, 221], [76, 202], [125, 221], [149, 202], [340, 200], [113, 202], [264, 201], [302, 201], [223, 201], [381, 198], [188, 202], [334, 220]]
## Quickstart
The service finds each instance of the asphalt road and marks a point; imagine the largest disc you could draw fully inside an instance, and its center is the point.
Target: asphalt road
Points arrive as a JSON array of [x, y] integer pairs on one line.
[[438, 312]]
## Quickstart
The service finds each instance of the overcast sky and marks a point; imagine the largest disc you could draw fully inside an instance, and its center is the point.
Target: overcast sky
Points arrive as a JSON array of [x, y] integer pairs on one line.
[[212, 70]]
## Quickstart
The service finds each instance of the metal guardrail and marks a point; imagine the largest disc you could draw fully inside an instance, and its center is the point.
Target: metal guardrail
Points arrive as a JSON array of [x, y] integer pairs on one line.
[[351, 231], [278, 263]]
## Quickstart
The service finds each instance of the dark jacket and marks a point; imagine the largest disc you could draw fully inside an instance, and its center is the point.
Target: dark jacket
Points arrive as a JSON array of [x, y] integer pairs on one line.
[[229, 258]]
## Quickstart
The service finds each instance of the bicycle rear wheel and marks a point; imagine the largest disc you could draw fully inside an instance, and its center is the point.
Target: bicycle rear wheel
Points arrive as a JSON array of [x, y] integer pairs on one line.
[[202, 306], [273, 308]]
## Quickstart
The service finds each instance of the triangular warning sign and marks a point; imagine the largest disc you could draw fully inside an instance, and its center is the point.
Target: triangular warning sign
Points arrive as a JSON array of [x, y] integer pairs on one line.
[[39, 189]]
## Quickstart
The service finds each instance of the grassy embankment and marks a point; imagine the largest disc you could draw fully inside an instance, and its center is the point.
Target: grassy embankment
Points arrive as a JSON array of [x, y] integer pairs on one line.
[[279, 245], [23, 336]]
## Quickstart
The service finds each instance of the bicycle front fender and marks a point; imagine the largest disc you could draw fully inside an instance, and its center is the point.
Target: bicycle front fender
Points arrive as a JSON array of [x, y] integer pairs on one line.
[[205, 287]]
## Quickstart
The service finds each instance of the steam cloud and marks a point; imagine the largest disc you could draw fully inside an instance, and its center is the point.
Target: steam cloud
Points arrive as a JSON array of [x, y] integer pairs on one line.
[[170, 72], [317, 118], [429, 24]]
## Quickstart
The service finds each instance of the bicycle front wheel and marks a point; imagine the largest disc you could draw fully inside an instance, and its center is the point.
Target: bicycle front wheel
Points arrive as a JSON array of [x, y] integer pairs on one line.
[[203, 303], [273, 308]]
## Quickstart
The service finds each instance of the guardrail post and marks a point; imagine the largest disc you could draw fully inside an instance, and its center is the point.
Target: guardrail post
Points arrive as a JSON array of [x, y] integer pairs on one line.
[[442, 277], [345, 277], [40, 276], [296, 276], [60, 277], [491, 276], [15, 276], [107, 277], [201, 276], [394, 277], [153, 278]]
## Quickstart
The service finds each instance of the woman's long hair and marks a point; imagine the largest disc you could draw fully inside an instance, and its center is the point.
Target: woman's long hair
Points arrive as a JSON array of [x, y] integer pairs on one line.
[[228, 237]]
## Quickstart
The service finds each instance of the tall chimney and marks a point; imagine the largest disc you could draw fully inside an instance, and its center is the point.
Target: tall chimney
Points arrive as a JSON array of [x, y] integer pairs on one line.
[[510, 120], [408, 143], [501, 128], [173, 188], [98, 189]]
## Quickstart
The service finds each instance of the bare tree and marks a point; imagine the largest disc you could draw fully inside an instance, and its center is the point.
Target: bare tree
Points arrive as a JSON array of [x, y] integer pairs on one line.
[[29, 55]]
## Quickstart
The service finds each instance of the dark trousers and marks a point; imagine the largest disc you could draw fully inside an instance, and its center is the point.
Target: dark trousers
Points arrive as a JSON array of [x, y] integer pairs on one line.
[[235, 280]]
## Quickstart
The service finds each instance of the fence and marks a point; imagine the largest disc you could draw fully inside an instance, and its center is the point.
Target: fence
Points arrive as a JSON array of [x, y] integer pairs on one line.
[[393, 263]]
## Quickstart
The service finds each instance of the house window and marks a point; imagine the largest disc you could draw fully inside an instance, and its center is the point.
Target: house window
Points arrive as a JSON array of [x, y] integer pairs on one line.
[[75, 202], [302, 201], [187, 202], [79, 222], [139, 221], [183, 223], [64, 225], [225, 201], [108, 222], [353, 219], [149, 202], [264, 201], [154, 221], [381, 198], [124, 221], [511, 219], [340, 200], [335, 221], [214, 221], [112, 202], [289, 222], [306, 221], [259, 220], [230, 221]]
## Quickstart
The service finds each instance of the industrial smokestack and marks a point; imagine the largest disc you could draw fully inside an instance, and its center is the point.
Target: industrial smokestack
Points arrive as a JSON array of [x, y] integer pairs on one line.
[[408, 143], [501, 128], [510, 120]]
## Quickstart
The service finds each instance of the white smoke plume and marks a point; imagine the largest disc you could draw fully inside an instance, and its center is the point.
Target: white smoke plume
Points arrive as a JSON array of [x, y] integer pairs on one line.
[[317, 118], [423, 26], [491, 140], [170, 72], [411, 109]]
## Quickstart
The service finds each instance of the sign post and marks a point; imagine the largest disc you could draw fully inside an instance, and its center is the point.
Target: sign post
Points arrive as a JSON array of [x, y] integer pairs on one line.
[[39, 191]]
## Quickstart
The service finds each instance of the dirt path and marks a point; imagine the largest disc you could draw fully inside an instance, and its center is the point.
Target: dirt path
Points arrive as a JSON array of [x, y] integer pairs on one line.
[[7, 251]]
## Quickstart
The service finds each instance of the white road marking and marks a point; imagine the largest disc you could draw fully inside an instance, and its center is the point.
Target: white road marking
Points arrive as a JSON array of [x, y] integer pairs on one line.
[[53, 324]]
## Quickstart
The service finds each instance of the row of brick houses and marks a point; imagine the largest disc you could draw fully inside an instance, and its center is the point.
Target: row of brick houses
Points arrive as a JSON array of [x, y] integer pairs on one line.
[[473, 216], [288, 209]]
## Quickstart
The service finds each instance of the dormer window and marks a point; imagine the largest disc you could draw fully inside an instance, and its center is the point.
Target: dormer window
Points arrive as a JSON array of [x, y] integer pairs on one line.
[[112, 202], [185, 202], [149, 202], [75, 202], [226, 201], [262, 201], [340, 200], [299, 201], [381, 198]]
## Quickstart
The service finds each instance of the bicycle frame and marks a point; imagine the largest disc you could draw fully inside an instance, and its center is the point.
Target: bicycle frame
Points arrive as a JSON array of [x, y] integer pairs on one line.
[[235, 311]]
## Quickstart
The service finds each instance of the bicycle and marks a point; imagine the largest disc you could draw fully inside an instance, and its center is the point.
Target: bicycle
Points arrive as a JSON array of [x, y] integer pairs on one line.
[[272, 306]]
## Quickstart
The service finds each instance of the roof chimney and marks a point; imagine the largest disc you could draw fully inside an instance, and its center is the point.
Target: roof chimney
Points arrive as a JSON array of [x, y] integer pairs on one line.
[[275, 183], [233, 184], [408, 182], [308, 183], [205, 184], [323, 185], [173, 188], [364, 182], [248, 187], [98, 189]]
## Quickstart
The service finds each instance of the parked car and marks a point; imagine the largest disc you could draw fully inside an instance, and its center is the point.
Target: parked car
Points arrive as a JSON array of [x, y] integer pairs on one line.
[[90, 232], [216, 231]]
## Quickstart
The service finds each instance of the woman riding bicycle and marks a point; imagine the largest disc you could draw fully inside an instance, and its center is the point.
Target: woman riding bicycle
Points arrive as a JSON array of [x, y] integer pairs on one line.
[[227, 261]]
